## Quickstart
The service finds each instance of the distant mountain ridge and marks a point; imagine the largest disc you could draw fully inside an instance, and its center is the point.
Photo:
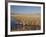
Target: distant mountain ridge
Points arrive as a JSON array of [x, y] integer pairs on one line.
[[13, 13]]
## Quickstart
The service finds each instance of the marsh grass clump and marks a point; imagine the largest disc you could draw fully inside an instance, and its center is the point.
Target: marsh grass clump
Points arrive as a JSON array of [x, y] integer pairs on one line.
[[27, 22]]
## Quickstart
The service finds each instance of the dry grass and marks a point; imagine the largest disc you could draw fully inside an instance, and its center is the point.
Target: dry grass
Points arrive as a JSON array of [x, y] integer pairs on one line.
[[28, 20]]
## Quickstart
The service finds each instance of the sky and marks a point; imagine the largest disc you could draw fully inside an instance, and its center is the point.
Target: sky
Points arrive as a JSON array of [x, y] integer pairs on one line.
[[25, 9]]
